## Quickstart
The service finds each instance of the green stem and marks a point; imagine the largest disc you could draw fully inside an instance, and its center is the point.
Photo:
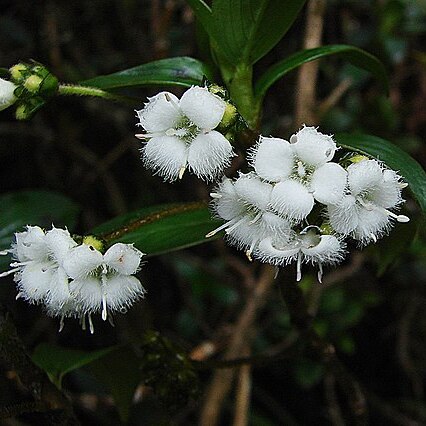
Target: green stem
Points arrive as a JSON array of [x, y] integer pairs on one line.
[[76, 90], [240, 85]]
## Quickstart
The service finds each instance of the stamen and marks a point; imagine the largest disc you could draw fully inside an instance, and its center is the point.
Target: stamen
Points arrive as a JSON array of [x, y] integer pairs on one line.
[[4, 252], [256, 218], [299, 266], [235, 225], [399, 217], [277, 270], [92, 329], [215, 195], [83, 322], [182, 171], [11, 271], [19, 295], [301, 171], [320, 272], [61, 323], [215, 231], [402, 185], [104, 307], [250, 250], [149, 135]]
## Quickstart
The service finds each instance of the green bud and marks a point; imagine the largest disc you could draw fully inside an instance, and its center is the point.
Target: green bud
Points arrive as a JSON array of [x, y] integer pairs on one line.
[[29, 107], [229, 116], [326, 229], [357, 158], [93, 241], [17, 72], [20, 113], [218, 91], [33, 83]]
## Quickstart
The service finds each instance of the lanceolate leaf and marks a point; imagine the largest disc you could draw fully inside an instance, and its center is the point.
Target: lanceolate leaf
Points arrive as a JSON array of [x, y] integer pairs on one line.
[[245, 30], [179, 71], [161, 229], [356, 56], [392, 156]]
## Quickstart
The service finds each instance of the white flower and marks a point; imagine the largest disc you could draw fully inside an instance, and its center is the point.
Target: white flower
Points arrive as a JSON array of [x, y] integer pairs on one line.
[[38, 266], [7, 96], [72, 280], [365, 211], [301, 172], [307, 246], [104, 282], [243, 204], [181, 134]]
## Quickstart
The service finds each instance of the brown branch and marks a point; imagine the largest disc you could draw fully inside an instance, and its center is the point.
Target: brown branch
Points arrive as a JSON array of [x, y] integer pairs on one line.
[[243, 392], [222, 379], [307, 77]]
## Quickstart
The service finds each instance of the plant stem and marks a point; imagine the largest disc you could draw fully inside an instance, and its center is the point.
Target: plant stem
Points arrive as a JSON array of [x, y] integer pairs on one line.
[[239, 81], [77, 90]]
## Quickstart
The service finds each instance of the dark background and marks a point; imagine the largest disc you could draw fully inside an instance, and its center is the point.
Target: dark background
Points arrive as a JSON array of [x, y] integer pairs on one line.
[[85, 149]]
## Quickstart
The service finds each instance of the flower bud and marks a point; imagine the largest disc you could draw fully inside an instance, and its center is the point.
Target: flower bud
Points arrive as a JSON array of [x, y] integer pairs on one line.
[[218, 91], [18, 71], [357, 158], [7, 94], [33, 83], [93, 241], [229, 116]]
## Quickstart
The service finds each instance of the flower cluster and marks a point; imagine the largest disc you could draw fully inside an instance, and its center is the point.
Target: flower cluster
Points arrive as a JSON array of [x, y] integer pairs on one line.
[[29, 87], [298, 205], [74, 280], [181, 134]]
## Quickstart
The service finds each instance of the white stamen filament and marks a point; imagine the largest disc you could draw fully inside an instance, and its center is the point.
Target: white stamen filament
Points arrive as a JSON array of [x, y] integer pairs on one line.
[[320, 272], [91, 328], [256, 218], [299, 266], [235, 225], [220, 228], [399, 217], [83, 322], [61, 323], [301, 171], [277, 270], [182, 171], [215, 195], [12, 271]]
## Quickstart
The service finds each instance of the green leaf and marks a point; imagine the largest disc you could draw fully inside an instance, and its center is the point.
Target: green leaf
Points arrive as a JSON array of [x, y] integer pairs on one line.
[[203, 13], [118, 370], [161, 229], [394, 157], [356, 56], [43, 208], [57, 361], [179, 71], [245, 30]]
